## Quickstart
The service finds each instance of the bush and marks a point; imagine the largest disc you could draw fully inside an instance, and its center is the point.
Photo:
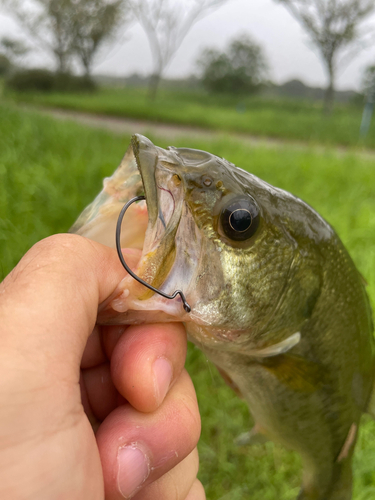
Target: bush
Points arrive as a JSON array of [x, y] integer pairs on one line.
[[4, 65], [42, 80], [241, 69], [39, 80], [65, 82]]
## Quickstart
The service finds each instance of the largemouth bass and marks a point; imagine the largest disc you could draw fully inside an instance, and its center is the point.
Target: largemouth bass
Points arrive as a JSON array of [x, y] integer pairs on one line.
[[276, 301]]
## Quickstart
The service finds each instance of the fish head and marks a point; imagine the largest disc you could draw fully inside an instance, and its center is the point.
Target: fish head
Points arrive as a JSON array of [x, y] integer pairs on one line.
[[239, 249]]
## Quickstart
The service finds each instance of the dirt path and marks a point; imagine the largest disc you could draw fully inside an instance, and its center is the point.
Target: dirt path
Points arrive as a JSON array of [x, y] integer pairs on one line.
[[129, 126], [121, 125]]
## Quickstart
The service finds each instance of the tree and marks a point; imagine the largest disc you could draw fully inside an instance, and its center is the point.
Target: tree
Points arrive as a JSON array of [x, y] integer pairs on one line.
[[166, 23], [13, 48], [334, 28], [368, 83], [94, 22], [67, 28], [368, 88], [49, 22], [240, 70], [5, 64]]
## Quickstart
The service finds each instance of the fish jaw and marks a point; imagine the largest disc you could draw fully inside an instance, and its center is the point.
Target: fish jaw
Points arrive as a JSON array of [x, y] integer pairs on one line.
[[171, 249], [133, 303]]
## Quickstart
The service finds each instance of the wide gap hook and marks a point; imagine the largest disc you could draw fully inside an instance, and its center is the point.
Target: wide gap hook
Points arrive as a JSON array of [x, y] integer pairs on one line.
[[122, 260]]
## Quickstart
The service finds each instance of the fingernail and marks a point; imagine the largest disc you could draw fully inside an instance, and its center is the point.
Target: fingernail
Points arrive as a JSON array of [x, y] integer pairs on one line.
[[163, 377], [133, 470]]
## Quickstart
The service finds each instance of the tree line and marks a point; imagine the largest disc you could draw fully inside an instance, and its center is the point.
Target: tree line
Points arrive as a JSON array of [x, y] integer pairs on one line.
[[77, 29]]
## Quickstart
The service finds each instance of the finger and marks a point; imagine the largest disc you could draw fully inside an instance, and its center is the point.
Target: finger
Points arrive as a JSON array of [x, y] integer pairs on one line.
[[197, 491], [176, 484], [93, 354], [110, 336], [158, 353], [52, 296], [101, 394], [86, 406], [138, 448]]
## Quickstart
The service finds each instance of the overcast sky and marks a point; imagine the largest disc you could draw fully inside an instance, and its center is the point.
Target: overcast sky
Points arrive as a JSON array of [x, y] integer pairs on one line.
[[287, 47]]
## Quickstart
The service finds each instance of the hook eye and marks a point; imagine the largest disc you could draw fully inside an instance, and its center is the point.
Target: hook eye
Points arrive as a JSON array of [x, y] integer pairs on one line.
[[122, 260]]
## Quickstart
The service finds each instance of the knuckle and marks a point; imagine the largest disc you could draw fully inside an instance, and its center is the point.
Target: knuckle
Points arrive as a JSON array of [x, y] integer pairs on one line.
[[57, 243], [72, 250]]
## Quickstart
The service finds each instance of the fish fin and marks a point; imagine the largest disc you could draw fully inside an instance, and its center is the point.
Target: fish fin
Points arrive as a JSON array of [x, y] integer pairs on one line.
[[296, 372], [349, 441], [276, 349], [255, 436], [229, 382]]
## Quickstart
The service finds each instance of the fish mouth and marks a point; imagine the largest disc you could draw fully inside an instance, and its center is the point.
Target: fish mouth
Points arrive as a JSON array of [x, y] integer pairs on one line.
[[146, 158], [171, 245], [164, 199], [162, 227]]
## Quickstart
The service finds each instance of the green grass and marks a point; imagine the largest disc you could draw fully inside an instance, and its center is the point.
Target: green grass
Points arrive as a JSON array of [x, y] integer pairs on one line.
[[278, 118], [50, 170]]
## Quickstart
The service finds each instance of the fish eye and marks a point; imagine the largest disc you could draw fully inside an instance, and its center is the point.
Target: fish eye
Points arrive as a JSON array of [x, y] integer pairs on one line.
[[240, 219]]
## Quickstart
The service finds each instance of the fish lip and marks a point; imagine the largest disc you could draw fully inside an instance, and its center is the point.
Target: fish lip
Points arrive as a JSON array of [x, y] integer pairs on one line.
[[158, 253], [146, 157]]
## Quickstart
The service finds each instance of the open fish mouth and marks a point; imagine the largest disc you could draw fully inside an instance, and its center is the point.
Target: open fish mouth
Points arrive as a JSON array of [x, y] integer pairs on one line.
[[162, 227], [164, 199]]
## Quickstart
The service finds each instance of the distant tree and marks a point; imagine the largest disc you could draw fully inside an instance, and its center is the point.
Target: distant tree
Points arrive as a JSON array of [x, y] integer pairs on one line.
[[241, 69], [49, 22], [93, 23], [333, 27], [166, 23], [5, 64], [368, 83], [67, 28], [368, 88], [14, 49]]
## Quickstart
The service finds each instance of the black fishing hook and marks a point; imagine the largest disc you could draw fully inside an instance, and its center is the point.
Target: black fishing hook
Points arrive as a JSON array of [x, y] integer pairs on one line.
[[121, 257]]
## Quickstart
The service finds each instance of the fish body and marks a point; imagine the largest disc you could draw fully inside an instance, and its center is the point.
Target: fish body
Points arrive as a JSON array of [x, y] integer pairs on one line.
[[276, 301]]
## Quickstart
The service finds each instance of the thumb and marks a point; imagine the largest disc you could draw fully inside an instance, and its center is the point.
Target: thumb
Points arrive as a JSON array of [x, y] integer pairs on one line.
[[49, 302]]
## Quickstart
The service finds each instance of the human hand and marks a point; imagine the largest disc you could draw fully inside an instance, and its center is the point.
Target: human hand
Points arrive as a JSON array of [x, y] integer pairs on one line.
[[59, 372]]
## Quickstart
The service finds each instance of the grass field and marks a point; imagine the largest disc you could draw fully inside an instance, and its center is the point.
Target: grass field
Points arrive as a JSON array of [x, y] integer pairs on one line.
[[294, 120], [50, 170]]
